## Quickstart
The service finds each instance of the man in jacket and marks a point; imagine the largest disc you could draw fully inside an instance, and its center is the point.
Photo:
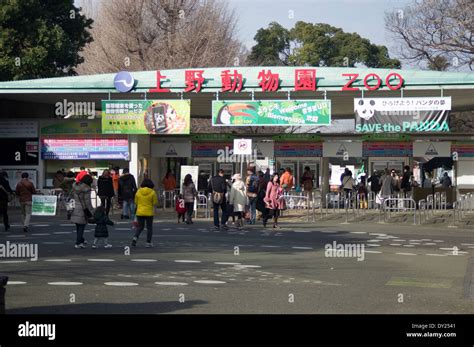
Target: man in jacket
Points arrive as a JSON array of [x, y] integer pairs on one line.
[[217, 188], [25, 190], [126, 191]]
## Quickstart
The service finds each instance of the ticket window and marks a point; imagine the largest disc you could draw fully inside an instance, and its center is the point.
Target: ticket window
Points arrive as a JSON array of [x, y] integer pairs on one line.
[[381, 165]]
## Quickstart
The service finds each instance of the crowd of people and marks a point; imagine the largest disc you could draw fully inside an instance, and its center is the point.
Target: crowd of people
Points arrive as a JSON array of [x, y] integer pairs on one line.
[[258, 196]]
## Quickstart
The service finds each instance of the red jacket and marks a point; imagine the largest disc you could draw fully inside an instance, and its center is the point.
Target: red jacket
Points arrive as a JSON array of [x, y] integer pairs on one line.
[[80, 175], [180, 206], [25, 190]]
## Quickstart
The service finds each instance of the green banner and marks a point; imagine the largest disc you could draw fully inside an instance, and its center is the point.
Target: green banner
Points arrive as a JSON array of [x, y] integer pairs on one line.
[[44, 205], [271, 113], [165, 117]]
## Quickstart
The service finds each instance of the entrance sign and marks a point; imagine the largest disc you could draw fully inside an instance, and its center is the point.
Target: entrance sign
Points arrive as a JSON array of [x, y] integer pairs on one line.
[[395, 115], [432, 149], [44, 205], [242, 146], [146, 117], [171, 150], [342, 149], [271, 113]]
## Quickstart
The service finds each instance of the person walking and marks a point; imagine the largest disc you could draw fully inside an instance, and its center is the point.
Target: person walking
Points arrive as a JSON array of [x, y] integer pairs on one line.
[[83, 208], [169, 182], [238, 198], [405, 183], [286, 180], [145, 200], [101, 231], [262, 191], [217, 187], [190, 194], [105, 190], [115, 174], [25, 190], [307, 183], [386, 191], [348, 184], [374, 181], [126, 191], [251, 186], [273, 200], [446, 181], [5, 197]]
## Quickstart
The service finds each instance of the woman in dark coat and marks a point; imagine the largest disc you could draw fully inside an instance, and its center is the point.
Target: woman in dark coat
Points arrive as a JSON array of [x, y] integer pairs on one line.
[[106, 191], [5, 191]]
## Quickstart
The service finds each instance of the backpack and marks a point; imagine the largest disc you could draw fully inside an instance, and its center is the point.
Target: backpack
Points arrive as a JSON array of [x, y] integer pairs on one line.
[[375, 185], [253, 184]]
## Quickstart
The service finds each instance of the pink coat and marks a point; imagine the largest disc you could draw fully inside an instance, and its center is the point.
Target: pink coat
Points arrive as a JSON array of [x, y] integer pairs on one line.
[[272, 197]]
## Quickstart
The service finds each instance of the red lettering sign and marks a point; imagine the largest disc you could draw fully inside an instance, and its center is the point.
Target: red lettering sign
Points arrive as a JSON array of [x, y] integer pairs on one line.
[[305, 79], [347, 86], [231, 82], [354, 76], [158, 88], [377, 86], [193, 80], [400, 81], [270, 82]]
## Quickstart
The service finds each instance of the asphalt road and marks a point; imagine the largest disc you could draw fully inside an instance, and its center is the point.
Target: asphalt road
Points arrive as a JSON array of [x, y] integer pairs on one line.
[[193, 269]]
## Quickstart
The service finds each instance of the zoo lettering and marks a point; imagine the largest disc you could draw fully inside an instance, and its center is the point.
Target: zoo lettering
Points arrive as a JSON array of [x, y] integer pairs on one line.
[[304, 79]]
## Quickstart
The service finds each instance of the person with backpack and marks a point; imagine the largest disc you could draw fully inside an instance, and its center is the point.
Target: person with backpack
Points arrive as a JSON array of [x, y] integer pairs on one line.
[[82, 212], [126, 191], [374, 181], [145, 200], [217, 187], [251, 185], [190, 194], [5, 197], [101, 231], [25, 190], [348, 184], [105, 190]]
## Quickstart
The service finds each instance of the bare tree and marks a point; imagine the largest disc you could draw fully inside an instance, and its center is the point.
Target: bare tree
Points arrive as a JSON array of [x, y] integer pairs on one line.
[[438, 33], [162, 34]]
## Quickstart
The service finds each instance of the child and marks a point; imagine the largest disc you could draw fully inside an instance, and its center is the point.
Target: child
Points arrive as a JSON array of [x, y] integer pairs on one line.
[[180, 207], [101, 231]]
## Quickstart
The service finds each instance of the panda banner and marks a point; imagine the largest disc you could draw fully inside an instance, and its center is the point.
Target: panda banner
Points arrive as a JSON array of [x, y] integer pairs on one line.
[[164, 117], [405, 115]]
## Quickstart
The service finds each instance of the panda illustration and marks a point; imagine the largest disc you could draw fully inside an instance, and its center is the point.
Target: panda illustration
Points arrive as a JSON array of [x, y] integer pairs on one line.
[[365, 108]]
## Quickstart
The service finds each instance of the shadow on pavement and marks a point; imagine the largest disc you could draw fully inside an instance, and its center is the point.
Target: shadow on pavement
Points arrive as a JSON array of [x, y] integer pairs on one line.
[[107, 308]]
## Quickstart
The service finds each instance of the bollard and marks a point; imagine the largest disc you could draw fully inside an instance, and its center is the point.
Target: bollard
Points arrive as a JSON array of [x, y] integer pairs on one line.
[[3, 283]]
